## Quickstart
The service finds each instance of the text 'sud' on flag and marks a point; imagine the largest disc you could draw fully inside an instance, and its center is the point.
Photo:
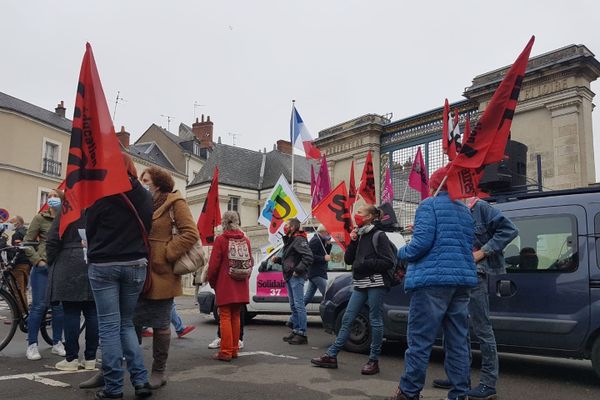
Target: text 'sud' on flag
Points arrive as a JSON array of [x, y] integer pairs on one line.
[[366, 188], [334, 214], [95, 167], [210, 217], [418, 178], [280, 206], [300, 137]]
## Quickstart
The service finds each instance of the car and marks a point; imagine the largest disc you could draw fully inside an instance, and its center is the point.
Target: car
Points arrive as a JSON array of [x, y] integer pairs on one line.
[[547, 303], [268, 292]]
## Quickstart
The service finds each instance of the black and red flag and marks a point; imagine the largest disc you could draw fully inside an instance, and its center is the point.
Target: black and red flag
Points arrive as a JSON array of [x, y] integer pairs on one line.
[[351, 189], [95, 167], [333, 212], [449, 146], [366, 189], [210, 217], [486, 143]]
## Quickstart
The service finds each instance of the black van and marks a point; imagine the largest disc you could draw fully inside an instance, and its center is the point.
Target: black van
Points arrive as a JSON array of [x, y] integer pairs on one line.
[[548, 302]]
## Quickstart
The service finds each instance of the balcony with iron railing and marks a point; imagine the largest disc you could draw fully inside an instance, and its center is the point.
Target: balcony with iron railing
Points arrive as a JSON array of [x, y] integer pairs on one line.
[[51, 167]]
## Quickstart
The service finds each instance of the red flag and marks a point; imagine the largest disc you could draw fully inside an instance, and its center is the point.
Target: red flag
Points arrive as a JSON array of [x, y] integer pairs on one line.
[[322, 183], [487, 141], [210, 217], [418, 179], [95, 166], [366, 189], [352, 190], [334, 214], [45, 206], [467, 129], [463, 183]]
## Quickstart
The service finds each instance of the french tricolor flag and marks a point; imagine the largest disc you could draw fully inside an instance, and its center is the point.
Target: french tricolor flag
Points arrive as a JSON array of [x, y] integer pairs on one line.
[[300, 137]]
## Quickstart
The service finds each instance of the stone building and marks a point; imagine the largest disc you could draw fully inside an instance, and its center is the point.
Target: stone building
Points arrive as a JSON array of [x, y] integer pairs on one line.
[[553, 118]]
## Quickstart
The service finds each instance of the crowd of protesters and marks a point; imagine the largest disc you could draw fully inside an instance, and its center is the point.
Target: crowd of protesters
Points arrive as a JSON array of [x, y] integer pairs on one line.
[[115, 266]]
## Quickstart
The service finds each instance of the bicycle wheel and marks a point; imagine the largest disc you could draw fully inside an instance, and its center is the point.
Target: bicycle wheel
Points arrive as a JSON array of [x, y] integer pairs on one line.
[[46, 327], [9, 318]]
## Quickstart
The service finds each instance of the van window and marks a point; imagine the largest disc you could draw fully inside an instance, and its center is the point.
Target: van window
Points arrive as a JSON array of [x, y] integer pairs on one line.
[[273, 266], [546, 243], [337, 259]]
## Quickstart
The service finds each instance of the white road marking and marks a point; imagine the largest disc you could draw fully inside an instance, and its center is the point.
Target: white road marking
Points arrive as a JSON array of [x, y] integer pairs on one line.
[[41, 377], [265, 353]]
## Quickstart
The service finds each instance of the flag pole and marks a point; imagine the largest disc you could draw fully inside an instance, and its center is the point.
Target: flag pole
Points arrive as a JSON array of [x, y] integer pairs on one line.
[[292, 139]]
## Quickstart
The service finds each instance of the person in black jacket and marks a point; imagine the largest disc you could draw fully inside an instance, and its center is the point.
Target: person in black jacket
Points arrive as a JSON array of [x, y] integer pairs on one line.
[[371, 256], [320, 245], [296, 259], [118, 258], [68, 283]]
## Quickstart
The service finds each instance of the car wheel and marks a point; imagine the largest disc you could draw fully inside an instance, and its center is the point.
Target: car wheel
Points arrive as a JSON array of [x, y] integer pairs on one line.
[[359, 340], [596, 356]]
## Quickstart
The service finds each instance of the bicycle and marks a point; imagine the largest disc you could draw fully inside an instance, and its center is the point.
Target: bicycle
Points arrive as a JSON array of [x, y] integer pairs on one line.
[[14, 307]]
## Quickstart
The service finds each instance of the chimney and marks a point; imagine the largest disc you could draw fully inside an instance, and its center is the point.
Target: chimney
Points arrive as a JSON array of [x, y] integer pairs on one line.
[[284, 146], [123, 137], [203, 130], [60, 109]]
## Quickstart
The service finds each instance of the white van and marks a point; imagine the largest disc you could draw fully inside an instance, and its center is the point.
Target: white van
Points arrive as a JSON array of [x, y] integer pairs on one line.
[[268, 291]]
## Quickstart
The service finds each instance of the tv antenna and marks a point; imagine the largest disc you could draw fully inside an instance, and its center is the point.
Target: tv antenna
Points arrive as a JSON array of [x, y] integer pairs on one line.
[[118, 100], [196, 105], [169, 118], [233, 136]]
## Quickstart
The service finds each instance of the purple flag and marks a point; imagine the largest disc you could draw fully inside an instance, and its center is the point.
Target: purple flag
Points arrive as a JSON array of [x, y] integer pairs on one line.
[[387, 195], [312, 179], [322, 184]]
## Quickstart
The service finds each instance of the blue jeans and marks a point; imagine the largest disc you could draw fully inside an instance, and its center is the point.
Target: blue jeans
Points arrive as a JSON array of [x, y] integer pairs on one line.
[[431, 308], [295, 289], [314, 283], [373, 298], [176, 320], [73, 311], [39, 305], [116, 290], [479, 311]]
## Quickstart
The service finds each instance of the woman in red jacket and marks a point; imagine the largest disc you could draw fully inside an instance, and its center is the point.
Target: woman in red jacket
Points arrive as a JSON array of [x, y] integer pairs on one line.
[[228, 273]]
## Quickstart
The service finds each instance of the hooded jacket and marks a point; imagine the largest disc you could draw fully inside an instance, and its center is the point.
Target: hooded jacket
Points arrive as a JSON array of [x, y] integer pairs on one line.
[[296, 256], [319, 250]]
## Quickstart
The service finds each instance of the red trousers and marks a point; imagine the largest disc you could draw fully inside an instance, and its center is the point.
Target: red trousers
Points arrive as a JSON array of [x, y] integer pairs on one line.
[[230, 329]]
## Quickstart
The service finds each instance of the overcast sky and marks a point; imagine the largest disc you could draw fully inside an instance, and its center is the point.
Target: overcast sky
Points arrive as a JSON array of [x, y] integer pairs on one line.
[[246, 60]]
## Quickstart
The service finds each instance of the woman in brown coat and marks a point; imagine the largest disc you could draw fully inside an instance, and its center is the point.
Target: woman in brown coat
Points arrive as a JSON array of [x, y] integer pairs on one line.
[[172, 235]]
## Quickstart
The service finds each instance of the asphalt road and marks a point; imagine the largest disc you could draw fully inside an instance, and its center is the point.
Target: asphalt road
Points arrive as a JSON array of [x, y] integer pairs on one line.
[[268, 368]]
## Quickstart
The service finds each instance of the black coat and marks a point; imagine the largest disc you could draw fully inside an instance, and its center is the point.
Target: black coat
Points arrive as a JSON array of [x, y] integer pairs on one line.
[[296, 256], [367, 261], [319, 250], [112, 229], [67, 270]]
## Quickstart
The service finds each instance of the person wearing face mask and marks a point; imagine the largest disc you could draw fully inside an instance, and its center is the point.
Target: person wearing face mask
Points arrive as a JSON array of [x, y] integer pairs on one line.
[[296, 258], [22, 266], [38, 231], [173, 234], [369, 261]]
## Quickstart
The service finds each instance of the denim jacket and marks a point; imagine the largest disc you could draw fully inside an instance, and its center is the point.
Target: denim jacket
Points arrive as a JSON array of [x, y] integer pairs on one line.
[[493, 232]]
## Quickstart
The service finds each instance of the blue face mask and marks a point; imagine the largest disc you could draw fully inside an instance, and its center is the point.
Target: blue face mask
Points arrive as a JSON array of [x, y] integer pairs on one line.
[[54, 202]]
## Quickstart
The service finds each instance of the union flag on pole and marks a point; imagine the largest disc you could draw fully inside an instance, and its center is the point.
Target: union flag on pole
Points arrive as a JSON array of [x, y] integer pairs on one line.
[[486, 143], [418, 179], [95, 167], [366, 189], [210, 217], [333, 212]]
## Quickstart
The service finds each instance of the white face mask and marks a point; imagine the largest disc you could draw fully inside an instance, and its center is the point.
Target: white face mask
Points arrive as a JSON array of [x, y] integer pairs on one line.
[[147, 187]]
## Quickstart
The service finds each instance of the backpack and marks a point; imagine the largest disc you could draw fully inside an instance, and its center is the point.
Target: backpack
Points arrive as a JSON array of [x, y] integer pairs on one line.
[[398, 270], [240, 260]]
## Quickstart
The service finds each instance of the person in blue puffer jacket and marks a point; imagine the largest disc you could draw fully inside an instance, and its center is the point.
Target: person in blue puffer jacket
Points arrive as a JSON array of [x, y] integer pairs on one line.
[[441, 272]]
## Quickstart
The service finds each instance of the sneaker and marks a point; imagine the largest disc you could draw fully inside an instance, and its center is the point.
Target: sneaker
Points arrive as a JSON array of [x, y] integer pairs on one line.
[[325, 361], [185, 331], [240, 345], [442, 384], [59, 349], [147, 332], [33, 353], [298, 339], [65, 365], [482, 392], [215, 344], [89, 365]]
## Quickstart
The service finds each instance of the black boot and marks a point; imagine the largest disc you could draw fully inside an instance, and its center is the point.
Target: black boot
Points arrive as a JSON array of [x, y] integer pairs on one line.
[[101, 395], [143, 390]]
